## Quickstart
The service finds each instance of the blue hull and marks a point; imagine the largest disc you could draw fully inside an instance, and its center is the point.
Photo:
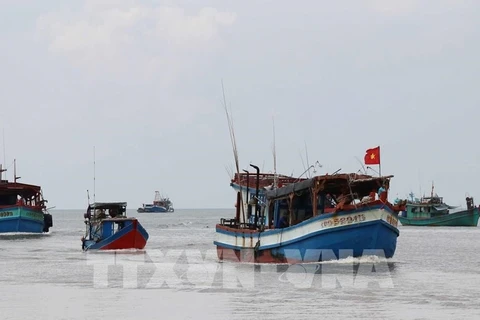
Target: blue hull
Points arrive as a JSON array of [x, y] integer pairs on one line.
[[350, 241], [20, 224], [374, 238], [306, 241], [156, 209]]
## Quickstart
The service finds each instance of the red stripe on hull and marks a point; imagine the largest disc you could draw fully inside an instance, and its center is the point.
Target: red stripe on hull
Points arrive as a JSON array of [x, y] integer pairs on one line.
[[131, 240], [250, 256]]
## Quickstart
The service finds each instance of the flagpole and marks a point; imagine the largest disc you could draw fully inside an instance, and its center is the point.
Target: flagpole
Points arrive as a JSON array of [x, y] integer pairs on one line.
[[379, 163]]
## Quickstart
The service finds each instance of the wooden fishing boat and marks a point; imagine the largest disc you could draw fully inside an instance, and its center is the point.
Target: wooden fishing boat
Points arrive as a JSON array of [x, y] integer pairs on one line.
[[432, 211], [109, 228], [22, 207], [296, 219]]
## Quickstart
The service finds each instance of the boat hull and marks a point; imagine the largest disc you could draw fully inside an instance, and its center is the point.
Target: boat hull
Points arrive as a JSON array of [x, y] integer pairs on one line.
[[133, 236], [154, 209], [22, 220], [466, 218], [325, 237]]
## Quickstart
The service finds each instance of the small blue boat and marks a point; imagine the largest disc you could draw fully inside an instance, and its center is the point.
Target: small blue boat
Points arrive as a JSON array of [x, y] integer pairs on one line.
[[109, 228], [22, 207], [160, 204]]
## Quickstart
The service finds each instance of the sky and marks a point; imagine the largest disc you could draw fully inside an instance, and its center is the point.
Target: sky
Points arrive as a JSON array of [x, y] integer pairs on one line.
[[140, 82]]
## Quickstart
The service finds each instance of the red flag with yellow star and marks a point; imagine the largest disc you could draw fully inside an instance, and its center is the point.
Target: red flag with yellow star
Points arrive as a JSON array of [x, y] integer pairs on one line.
[[372, 156]]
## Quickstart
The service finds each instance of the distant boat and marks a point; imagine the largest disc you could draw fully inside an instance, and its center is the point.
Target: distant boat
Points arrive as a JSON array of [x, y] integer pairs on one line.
[[160, 204], [22, 207], [432, 211], [287, 220], [108, 228]]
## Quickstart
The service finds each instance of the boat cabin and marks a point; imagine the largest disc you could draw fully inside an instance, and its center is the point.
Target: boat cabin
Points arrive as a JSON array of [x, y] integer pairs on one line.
[[251, 196], [296, 202], [15, 194], [324, 194], [19, 194], [103, 219], [426, 207]]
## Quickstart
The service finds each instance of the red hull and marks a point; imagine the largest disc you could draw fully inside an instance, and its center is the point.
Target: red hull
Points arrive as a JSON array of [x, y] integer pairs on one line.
[[132, 240], [249, 256]]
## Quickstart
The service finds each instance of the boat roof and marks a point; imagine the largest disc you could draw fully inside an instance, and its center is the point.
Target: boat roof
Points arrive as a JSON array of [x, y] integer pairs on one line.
[[107, 205], [265, 179], [22, 189], [336, 183]]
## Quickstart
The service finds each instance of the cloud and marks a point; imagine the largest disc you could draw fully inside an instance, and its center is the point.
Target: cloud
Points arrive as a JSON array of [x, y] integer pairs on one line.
[[131, 39]]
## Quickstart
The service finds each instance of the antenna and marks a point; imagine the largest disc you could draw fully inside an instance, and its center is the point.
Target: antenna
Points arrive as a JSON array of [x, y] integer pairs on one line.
[[234, 146], [308, 169], [4, 153], [368, 167], [363, 167], [4, 158], [319, 165], [93, 174], [15, 178], [303, 163], [419, 183], [274, 156], [306, 158]]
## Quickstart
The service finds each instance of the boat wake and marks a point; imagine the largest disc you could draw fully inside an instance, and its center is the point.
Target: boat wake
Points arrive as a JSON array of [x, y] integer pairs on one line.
[[120, 251], [22, 235], [366, 259], [359, 260], [173, 225]]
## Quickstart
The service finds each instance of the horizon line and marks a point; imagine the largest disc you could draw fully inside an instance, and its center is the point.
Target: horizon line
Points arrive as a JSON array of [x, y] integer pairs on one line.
[[56, 209]]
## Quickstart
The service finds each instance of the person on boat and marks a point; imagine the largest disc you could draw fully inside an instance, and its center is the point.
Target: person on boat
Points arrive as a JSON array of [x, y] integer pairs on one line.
[[382, 193], [283, 221], [100, 214], [330, 201], [113, 212]]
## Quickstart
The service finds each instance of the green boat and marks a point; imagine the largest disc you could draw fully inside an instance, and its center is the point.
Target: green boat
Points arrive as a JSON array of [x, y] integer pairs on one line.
[[432, 211]]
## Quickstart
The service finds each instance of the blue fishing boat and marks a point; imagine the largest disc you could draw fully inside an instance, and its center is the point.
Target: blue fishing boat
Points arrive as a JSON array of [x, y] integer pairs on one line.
[[294, 221], [22, 207], [160, 204], [109, 228], [432, 211]]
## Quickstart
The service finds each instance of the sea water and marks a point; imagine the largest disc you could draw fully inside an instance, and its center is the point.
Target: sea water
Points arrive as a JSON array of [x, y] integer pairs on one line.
[[433, 275]]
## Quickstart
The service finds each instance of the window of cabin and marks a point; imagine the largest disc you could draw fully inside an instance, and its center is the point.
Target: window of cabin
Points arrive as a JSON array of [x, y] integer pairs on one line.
[[8, 199]]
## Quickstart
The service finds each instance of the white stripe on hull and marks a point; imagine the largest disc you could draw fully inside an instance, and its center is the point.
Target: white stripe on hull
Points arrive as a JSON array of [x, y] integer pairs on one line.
[[268, 238]]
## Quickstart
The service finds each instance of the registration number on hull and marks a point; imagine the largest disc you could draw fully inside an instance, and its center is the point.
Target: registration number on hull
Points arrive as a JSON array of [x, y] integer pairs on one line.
[[6, 214], [392, 220], [343, 220]]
